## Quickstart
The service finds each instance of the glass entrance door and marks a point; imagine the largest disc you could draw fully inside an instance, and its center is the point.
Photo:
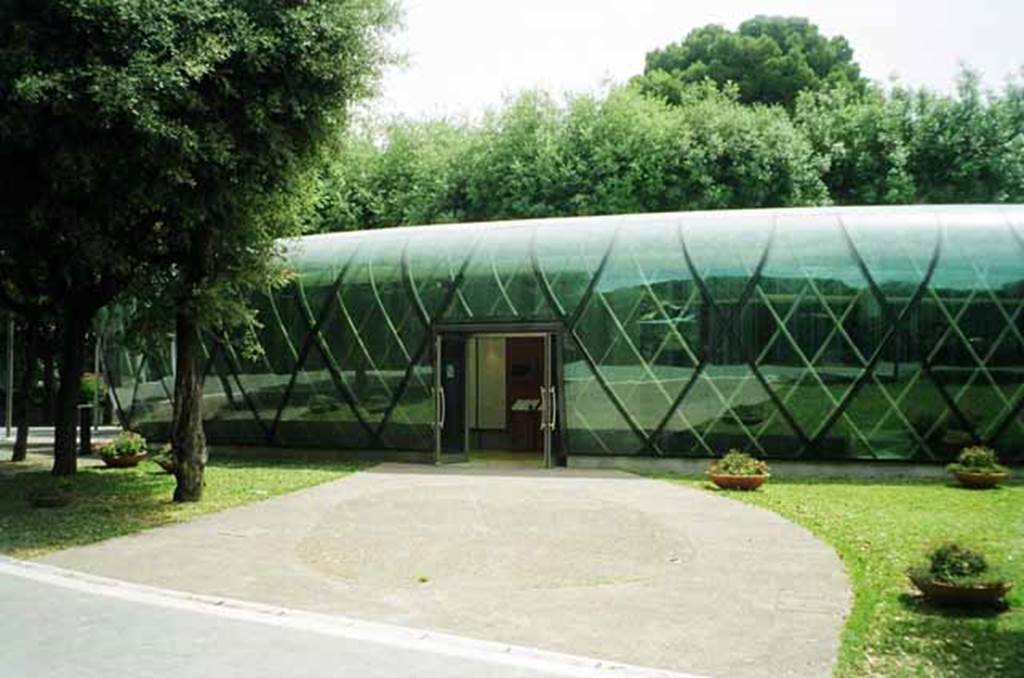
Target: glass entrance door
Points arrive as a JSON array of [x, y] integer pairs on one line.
[[451, 440], [553, 409]]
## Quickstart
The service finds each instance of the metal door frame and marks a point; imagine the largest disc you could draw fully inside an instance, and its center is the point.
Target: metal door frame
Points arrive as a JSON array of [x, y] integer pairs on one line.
[[551, 419]]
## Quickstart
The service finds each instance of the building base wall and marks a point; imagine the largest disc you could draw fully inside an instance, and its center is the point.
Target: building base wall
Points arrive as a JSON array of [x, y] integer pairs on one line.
[[779, 469], [320, 454]]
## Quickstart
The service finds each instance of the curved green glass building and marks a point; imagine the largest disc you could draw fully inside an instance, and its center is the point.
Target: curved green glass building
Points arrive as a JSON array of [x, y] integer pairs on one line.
[[890, 333]]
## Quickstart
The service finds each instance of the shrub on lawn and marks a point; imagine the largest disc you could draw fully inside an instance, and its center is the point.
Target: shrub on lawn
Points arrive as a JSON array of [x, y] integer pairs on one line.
[[977, 459], [125, 444], [736, 463], [957, 565]]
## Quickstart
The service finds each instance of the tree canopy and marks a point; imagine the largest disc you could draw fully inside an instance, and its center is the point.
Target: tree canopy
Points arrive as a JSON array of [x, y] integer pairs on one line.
[[160, 148], [771, 59], [594, 155]]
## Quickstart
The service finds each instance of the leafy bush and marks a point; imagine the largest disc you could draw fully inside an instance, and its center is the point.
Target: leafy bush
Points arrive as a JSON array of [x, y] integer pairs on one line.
[[952, 563], [977, 459], [126, 444], [736, 463], [92, 387]]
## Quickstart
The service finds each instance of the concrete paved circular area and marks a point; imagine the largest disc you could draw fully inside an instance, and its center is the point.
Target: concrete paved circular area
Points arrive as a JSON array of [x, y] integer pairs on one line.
[[603, 564]]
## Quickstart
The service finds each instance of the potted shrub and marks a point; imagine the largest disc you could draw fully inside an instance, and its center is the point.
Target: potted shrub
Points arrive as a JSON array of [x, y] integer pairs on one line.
[[978, 467], [127, 449], [956, 575], [55, 493], [738, 471]]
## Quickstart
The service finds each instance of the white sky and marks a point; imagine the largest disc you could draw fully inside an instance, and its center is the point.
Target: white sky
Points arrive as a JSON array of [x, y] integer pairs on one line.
[[466, 55]]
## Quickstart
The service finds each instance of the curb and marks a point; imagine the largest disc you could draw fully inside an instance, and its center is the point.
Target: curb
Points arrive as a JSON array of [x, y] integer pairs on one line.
[[420, 640]]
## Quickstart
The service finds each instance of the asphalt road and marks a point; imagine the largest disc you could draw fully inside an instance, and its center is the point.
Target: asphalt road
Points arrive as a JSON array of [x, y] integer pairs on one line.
[[75, 629]]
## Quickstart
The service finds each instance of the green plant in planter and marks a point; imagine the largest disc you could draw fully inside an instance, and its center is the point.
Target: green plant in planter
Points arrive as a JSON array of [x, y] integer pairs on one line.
[[736, 463], [124, 450], [738, 471], [956, 574], [978, 466]]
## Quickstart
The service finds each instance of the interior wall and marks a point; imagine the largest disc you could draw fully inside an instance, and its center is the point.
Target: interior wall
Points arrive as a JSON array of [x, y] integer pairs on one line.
[[485, 384]]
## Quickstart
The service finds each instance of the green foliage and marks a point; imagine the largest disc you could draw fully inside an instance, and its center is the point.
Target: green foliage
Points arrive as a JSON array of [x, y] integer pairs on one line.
[[769, 59], [182, 137], [124, 444], [736, 463], [952, 562], [964, 148], [594, 155], [861, 137], [627, 152], [977, 459], [93, 387]]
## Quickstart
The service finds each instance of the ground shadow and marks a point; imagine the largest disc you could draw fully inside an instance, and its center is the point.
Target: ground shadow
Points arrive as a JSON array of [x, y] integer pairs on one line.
[[965, 641], [917, 603]]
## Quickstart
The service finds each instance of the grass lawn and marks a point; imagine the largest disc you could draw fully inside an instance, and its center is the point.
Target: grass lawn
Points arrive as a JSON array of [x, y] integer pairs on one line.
[[879, 529], [113, 502]]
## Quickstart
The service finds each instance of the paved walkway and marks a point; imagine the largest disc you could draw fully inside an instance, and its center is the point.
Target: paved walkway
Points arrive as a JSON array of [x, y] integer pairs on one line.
[[594, 563]]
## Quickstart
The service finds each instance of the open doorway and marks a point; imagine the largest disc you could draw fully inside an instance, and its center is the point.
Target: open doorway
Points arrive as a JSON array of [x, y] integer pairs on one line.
[[498, 397], [504, 395]]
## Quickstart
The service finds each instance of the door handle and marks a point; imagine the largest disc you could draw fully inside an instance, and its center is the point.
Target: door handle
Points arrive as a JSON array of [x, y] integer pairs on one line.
[[554, 409], [543, 409]]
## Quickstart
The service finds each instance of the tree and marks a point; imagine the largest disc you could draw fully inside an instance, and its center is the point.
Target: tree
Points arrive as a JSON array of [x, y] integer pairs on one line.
[[594, 155], [968, 147], [404, 173], [234, 102], [78, 208], [167, 144], [862, 141], [770, 59]]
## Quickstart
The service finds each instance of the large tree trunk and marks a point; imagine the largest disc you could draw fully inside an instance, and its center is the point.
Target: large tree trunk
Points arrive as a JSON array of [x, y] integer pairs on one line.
[[187, 438], [72, 363], [28, 380], [48, 386]]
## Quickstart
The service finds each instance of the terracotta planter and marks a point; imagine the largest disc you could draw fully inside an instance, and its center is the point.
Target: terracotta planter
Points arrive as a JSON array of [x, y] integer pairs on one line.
[[980, 481], [985, 595], [124, 461], [747, 483]]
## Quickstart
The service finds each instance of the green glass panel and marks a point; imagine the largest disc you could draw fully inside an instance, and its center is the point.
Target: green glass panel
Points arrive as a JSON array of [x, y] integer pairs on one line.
[[811, 331], [569, 256], [812, 325], [594, 425], [973, 315], [411, 424], [499, 282], [227, 415]]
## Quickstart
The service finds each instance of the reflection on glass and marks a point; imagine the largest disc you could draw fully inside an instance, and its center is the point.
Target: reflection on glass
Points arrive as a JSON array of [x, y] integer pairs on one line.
[[873, 333]]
